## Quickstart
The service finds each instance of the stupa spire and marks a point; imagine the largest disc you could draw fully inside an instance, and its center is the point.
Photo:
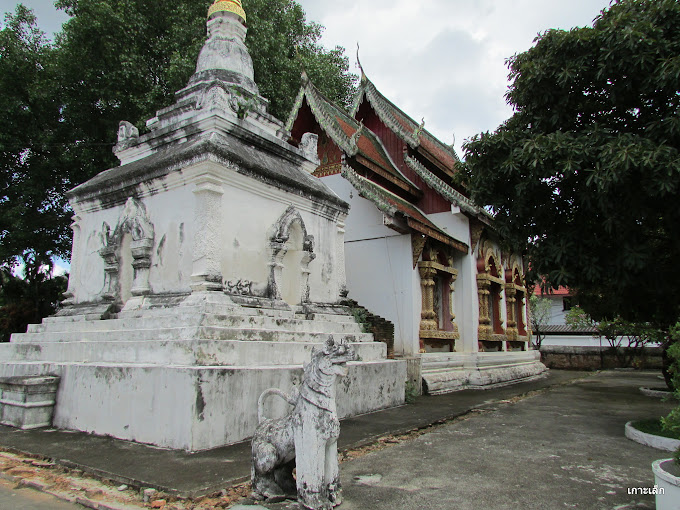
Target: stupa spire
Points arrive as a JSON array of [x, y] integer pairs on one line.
[[224, 55]]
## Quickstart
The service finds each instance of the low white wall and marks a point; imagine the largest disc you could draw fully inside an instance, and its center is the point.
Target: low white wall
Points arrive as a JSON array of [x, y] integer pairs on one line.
[[196, 408], [575, 341]]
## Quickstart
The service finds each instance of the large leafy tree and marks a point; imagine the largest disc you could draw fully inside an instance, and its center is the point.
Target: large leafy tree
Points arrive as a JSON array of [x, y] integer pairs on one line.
[[33, 217], [281, 43], [585, 175], [26, 300]]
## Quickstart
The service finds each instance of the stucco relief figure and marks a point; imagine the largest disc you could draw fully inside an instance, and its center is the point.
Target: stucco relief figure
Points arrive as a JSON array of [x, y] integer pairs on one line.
[[306, 439], [128, 135], [309, 145], [245, 288]]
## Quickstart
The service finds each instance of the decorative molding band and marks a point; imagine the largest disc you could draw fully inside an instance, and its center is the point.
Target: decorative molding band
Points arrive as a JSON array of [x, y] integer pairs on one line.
[[441, 187], [485, 277], [365, 191], [438, 267], [437, 334], [325, 171], [430, 232]]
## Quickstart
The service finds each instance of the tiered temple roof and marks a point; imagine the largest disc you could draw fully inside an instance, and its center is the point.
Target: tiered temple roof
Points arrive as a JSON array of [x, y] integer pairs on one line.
[[414, 134], [351, 138], [391, 204], [428, 162], [391, 160]]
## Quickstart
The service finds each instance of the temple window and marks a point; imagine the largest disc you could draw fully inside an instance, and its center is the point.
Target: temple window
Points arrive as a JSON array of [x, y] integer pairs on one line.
[[438, 329], [515, 293], [490, 285]]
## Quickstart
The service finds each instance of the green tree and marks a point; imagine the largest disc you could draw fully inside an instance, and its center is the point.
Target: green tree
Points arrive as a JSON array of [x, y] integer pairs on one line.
[[539, 312], [282, 42], [27, 300], [588, 169], [33, 215], [671, 423]]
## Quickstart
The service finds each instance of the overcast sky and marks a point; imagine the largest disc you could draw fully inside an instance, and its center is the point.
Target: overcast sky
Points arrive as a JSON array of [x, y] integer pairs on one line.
[[443, 60]]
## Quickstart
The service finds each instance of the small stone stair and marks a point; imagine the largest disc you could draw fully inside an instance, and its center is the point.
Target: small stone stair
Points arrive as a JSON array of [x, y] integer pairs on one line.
[[381, 329], [204, 333]]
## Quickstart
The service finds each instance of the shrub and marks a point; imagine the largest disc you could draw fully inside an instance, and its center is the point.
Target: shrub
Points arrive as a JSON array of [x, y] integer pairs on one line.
[[671, 423]]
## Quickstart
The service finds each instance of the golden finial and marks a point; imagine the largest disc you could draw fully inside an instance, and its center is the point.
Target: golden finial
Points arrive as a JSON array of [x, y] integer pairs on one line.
[[228, 6]]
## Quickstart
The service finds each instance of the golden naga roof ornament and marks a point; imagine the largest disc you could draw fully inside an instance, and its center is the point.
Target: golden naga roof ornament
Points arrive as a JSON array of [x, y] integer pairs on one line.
[[228, 6]]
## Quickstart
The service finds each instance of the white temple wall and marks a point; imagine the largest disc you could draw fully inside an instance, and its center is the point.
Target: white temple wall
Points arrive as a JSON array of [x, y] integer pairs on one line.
[[381, 278], [456, 225], [380, 273], [467, 305], [245, 215], [250, 212], [89, 271], [365, 221], [171, 215], [171, 256], [465, 298]]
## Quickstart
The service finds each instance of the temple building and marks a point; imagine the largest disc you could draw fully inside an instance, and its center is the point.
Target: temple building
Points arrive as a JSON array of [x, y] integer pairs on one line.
[[205, 268], [418, 251]]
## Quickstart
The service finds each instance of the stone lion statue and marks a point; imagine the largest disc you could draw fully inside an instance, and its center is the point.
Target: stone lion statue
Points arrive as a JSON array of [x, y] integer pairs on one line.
[[306, 439]]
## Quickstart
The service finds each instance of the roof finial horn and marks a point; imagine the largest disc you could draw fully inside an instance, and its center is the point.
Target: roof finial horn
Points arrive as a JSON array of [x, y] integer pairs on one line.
[[363, 75]]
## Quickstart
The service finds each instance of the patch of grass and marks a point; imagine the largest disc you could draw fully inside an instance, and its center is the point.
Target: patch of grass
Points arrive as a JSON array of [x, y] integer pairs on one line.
[[653, 426], [361, 316], [411, 392]]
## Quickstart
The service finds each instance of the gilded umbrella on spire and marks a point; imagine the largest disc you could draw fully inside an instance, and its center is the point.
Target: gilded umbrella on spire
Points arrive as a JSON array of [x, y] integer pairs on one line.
[[228, 6]]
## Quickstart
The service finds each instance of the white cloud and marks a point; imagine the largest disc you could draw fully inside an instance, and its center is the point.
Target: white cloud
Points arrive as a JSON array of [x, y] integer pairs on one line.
[[445, 59]]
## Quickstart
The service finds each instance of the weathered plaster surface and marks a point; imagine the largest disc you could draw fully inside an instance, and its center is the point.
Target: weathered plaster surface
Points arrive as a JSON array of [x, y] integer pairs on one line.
[[194, 408]]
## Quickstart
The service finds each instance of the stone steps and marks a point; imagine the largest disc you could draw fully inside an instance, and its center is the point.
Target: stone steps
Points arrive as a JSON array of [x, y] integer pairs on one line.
[[448, 372], [181, 353], [327, 324], [190, 309], [191, 333]]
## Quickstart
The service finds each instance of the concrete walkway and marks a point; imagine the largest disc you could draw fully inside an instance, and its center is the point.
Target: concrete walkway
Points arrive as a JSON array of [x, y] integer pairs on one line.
[[563, 448], [554, 442]]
